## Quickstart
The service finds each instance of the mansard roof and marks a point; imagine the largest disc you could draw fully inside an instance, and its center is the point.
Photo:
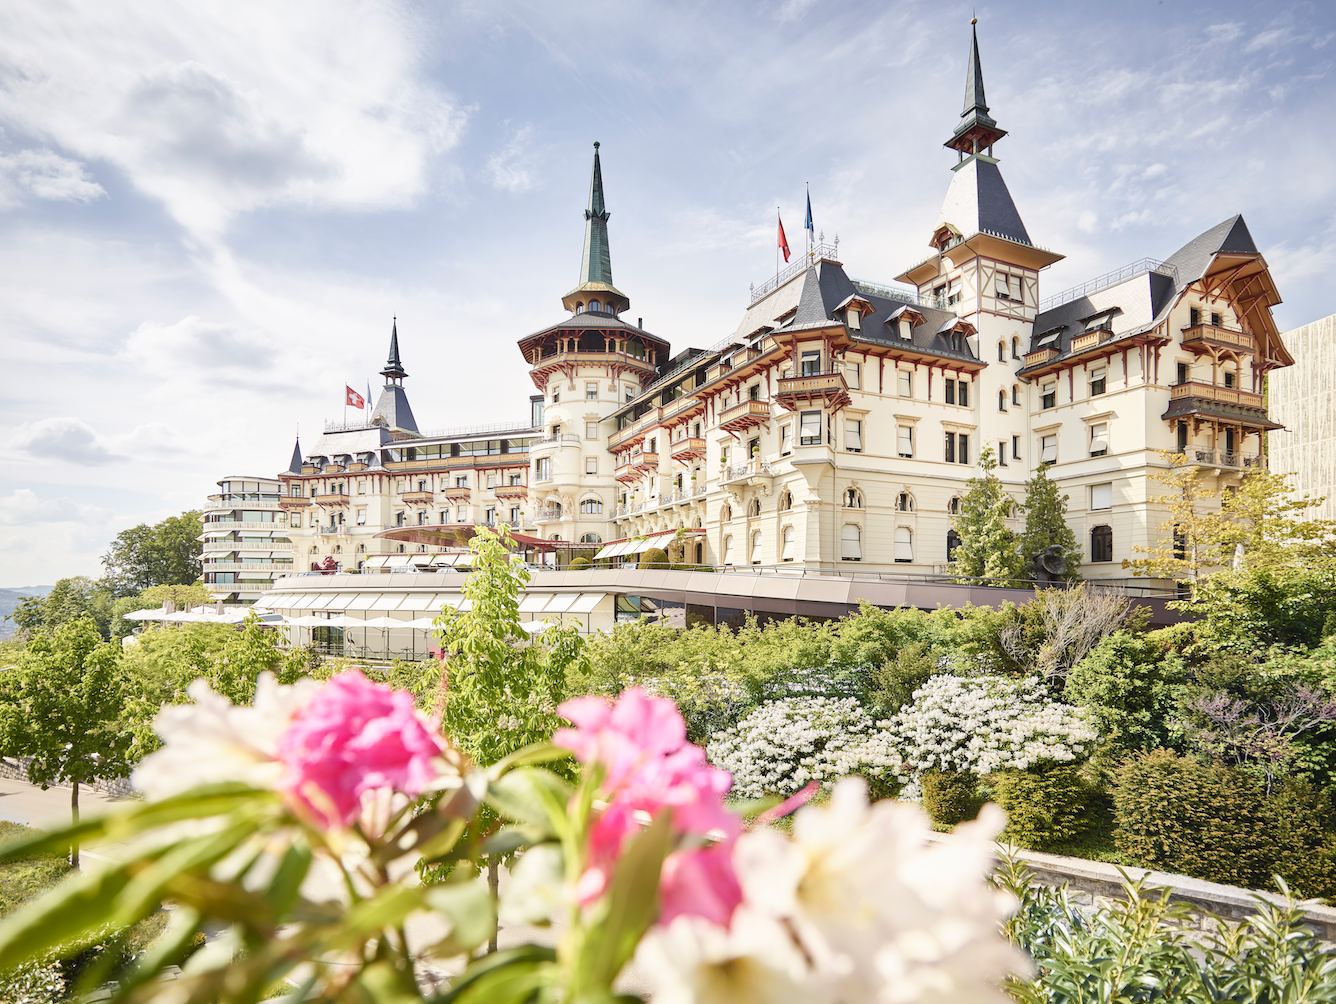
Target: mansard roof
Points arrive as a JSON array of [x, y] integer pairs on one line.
[[978, 201]]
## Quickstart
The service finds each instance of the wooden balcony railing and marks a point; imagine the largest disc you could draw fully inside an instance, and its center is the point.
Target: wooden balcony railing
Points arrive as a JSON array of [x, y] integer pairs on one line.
[[1209, 392]]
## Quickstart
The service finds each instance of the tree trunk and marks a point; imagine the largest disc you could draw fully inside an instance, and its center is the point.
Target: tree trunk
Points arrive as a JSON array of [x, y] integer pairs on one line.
[[493, 885], [74, 814]]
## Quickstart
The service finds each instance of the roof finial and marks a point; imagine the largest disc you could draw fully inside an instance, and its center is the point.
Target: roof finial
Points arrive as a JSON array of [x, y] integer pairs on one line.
[[596, 144]]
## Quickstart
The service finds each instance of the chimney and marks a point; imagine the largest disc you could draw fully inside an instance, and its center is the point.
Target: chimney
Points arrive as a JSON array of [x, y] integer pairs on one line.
[[640, 323]]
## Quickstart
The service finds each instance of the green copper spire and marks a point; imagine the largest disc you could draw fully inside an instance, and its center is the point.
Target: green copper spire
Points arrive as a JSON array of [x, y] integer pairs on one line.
[[596, 262], [977, 131]]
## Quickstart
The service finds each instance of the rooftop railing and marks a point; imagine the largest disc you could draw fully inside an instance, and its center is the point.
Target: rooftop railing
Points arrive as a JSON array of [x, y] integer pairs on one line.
[[1109, 279]]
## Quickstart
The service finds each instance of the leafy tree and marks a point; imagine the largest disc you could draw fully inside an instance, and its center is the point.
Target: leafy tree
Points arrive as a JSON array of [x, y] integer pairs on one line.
[[69, 600], [62, 706], [1046, 524], [165, 553], [1130, 682], [987, 546], [1184, 551]]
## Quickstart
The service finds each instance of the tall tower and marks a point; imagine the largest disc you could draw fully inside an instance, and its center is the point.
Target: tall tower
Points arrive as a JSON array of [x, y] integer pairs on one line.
[[587, 366], [986, 270], [392, 408]]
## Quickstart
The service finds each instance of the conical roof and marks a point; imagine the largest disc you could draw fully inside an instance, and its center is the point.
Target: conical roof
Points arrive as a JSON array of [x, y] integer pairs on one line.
[[596, 260]]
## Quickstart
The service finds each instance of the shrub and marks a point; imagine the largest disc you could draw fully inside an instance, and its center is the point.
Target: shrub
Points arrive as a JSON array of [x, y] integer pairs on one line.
[[1045, 806], [1217, 823], [655, 557], [892, 686], [1128, 683], [784, 744], [580, 562], [950, 796]]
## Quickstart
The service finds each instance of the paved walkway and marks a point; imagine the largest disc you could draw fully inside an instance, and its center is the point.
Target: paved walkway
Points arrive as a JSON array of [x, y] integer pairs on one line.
[[21, 802]]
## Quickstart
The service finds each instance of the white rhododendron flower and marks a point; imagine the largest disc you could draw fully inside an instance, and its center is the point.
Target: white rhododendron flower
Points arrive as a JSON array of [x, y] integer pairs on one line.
[[213, 741], [783, 745], [860, 906], [536, 889]]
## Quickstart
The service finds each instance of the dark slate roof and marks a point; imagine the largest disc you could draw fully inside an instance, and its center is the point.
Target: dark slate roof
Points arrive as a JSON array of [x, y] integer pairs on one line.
[[1181, 407], [827, 285], [596, 262], [295, 465], [393, 367], [393, 408], [1144, 298], [591, 320], [975, 110], [978, 200]]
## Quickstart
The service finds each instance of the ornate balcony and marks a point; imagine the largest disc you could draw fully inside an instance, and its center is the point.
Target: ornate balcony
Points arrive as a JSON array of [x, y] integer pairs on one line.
[[747, 471], [686, 450], [1210, 392], [1203, 338], [1203, 456], [330, 499], [418, 496], [744, 415], [822, 390], [643, 460]]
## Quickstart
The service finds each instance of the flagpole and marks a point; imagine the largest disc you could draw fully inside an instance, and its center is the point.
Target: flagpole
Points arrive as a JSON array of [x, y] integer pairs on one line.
[[777, 223]]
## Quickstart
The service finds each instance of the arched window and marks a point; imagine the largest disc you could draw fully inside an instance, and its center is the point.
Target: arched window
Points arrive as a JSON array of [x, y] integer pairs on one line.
[[952, 542], [595, 306], [1001, 352], [1016, 394], [728, 550], [953, 506], [402, 548], [361, 549], [591, 507], [1015, 348], [853, 499], [754, 508], [787, 553], [904, 502], [579, 308], [1101, 543], [904, 544], [1001, 400], [785, 501], [851, 543], [555, 508], [591, 538], [756, 548], [725, 513]]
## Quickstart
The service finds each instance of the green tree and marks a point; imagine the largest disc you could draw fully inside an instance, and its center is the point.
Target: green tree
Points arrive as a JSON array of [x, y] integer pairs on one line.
[[1131, 683], [165, 553], [63, 707], [1046, 525], [987, 546], [69, 600]]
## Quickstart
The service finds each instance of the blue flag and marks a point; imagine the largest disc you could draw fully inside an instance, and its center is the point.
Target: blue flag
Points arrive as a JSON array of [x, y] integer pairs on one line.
[[809, 226]]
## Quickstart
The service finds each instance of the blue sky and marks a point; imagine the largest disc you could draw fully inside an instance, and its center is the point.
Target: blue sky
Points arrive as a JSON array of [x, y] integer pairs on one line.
[[212, 210]]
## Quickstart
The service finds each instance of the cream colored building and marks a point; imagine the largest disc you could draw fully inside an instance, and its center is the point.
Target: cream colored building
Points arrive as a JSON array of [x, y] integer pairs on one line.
[[1303, 400], [835, 427], [245, 539]]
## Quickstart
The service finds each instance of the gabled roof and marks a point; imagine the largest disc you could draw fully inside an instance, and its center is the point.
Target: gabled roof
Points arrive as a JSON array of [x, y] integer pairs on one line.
[[979, 201], [1194, 257]]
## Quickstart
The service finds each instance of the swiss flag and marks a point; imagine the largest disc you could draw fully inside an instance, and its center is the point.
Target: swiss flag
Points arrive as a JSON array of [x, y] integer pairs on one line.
[[783, 240], [353, 399]]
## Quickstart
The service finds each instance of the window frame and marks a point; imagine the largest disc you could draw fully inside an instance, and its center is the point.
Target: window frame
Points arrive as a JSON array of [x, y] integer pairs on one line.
[[806, 418]]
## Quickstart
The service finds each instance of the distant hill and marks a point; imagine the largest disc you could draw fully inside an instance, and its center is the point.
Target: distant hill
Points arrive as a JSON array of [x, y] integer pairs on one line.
[[9, 599]]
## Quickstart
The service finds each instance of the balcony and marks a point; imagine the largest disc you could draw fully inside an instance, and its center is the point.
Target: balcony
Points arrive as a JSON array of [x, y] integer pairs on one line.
[[329, 499], [217, 546], [683, 407], [549, 515], [636, 431], [418, 496], [1089, 339], [232, 526], [1202, 456], [325, 529], [549, 443], [250, 500], [284, 567], [822, 390], [744, 415], [626, 472], [1210, 392], [1040, 357], [643, 460], [512, 491], [753, 468], [686, 450], [1201, 337], [294, 502]]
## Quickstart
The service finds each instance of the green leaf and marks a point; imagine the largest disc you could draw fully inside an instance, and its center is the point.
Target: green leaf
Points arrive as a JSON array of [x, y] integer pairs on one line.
[[145, 892], [508, 839], [473, 982], [288, 878], [633, 903], [468, 906], [386, 983], [532, 795], [170, 948], [529, 756], [443, 842], [387, 908]]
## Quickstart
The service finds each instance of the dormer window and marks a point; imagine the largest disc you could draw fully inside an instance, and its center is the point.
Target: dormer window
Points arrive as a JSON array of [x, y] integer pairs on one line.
[[855, 318], [579, 308]]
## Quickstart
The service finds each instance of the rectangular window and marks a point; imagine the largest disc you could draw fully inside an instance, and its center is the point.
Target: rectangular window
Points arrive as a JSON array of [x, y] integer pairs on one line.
[[785, 440], [950, 454], [950, 392], [361, 517], [1184, 372], [1018, 288], [953, 294], [462, 481], [1050, 395], [630, 395], [514, 479], [1229, 379], [591, 392], [1216, 320], [491, 480], [514, 515], [1015, 447], [295, 491], [811, 363], [1099, 439], [361, 488], [904, 544], [963, 448], [543, 468], [462, 514], [295, 519], [591, 465], [962, 393], [1048, 449], [591, 430], [1101, 496], [1182, 436], [906, 383], [1097, 381], [754, 392], [490, 516], [422, 518], [853, 436], [1194, 317], [905, 438], [556, 395], [809, 434], [1003, 286], [853, 375], [851, 543], [1002, 454]]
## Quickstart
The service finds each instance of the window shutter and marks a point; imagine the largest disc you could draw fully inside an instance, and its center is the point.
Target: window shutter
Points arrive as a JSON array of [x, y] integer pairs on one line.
[[904, 544], [1099, 437], [1048, 450], [756, 548], [787, 554], [1101, 496], [851, 544], [853, 435], [906, 437], [728, 550]]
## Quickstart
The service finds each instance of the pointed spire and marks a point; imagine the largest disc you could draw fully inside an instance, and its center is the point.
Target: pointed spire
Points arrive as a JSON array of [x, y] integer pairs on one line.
[[977, 131], [295, 465], [394, 369], [596, 261]]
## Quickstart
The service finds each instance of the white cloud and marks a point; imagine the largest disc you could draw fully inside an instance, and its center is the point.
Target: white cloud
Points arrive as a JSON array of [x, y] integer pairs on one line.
[[1087, 222], [62, 438], [45, 175], [1224, 33], [513, 168], [24, 508]]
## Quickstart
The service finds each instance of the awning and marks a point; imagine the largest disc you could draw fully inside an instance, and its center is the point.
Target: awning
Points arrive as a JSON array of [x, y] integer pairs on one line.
[[586, 603], [561, 603], [145, 615], [532, 603], [420, 601], [387, 601], [376, 560]]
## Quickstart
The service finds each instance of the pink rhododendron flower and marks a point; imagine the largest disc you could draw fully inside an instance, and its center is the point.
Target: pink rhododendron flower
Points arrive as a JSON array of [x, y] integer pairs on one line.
[[649, 766], [356, 736]]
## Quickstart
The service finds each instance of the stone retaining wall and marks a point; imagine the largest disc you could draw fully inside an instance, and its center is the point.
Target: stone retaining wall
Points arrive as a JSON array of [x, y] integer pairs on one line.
[[116, 787]]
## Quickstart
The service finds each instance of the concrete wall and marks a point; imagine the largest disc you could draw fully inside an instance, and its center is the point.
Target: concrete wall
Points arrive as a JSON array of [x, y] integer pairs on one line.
[[1302, 397]]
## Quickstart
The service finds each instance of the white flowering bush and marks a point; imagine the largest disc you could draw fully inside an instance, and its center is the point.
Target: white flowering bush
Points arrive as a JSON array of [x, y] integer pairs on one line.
[[783, 745], [985, 724]]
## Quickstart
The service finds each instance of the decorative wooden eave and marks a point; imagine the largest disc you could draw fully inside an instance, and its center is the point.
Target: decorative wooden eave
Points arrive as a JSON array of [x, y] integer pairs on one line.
[[1244, 282], [925, 271], [1099, 350], [908, 352], [995, 246]]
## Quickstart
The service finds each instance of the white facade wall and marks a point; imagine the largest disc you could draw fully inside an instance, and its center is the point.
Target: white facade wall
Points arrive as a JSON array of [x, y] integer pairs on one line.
[[1302, 397]]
